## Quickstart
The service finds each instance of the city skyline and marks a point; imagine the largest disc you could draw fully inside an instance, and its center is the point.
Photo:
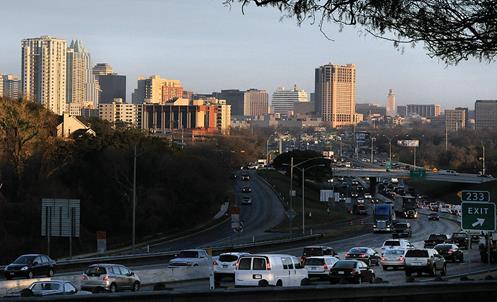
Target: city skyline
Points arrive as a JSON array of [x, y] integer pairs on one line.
[[131, 46]]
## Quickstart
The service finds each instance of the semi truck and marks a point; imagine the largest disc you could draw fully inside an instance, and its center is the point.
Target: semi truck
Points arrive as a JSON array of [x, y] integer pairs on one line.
[[405, 206], [383, 217]]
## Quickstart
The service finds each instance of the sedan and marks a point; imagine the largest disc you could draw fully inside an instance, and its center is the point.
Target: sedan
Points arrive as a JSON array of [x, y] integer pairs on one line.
[[393, 258], [364, 254], [434, 216], [450, 252], [351, 271], [319, 266], [29, 266]]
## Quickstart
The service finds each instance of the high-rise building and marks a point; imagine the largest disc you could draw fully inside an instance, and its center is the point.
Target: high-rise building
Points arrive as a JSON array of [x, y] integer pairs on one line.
[[81, 83], [402, 110], [455, 119], [119, 112], [44, 72], [255, 102], [10, 87], [235, 98], [391, 105], [102, 69], [283, 100], [112, 86], [424, 110], [156, 90], [485, 114], [466, 115], [335, 88]]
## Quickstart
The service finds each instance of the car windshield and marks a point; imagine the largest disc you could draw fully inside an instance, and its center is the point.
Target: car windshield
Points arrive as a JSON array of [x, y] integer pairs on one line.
[[395, 252], [228, 258], [96, 271], [417, 253], [24, 260], [400, 226], [357, 250], [314, 261], [392, 243], [188, 254], [40, 286], [313, 251], [345, 264]]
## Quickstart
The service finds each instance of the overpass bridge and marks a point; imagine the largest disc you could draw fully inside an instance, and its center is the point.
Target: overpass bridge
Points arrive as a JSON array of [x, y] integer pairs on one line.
[[401, 173]]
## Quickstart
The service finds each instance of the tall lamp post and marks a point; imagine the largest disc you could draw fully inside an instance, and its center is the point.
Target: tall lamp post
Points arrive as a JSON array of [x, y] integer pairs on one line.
[[372, 149], [303, 169], [390, 138]]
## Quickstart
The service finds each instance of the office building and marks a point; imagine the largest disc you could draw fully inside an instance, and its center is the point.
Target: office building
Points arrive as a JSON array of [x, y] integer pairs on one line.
[[112, 86], [102, 69], [283, 100], [455, 119], [402, 111], [335, 88], [391, 104], [120, 113], [370, 109], [255, 102], [466, 115], [235, 98], [44, 72], [10, 87], [423, 110], [156, 90], [81, 83], [486, 114]]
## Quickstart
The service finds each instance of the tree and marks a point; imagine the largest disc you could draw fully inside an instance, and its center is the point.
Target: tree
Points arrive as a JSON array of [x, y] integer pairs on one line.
[[452, 30]]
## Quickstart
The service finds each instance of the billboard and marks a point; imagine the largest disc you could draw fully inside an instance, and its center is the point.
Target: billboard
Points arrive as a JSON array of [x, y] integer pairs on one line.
[[408, 143]]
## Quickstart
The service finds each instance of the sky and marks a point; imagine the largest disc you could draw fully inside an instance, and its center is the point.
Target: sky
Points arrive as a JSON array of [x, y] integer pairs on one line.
[[210, 47]]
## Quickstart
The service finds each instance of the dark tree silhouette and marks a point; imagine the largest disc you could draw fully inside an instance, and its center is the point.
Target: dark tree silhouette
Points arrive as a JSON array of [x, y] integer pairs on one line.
[[452, 30]]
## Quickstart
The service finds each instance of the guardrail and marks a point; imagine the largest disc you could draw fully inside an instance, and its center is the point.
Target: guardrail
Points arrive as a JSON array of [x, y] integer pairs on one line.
[[481, 291]]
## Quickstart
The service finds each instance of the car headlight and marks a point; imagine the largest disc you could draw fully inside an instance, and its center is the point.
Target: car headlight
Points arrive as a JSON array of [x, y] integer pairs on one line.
[[24, 268]]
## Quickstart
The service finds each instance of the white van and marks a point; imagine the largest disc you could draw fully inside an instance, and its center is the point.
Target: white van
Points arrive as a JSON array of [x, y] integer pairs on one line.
[[270, 270]]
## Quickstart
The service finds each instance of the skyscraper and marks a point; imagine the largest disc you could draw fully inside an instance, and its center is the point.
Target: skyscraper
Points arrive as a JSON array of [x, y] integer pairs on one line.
[[10, 87], [391, 105], [111, 86], [335, 88], [81, 83], [102, 69], [283, 100], [486, 114], [44, 72], [255, 102]]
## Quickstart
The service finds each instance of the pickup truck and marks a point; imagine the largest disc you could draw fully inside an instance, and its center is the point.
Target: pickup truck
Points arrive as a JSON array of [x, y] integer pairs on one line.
[[435, 239]]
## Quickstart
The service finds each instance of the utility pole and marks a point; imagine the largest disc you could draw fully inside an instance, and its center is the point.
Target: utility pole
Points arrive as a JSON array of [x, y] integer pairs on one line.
[[291, 197], [134, 200]]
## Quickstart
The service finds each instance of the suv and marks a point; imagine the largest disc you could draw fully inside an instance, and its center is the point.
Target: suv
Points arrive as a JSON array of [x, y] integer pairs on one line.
[[401, 229], [435, 239], [317, 250], [225, 265], [194, 257], [424, 261], [109, 277]]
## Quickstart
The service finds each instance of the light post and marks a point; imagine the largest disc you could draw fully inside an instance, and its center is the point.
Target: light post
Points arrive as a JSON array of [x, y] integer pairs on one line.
[[372, 149], [389, 146], [303, 192]]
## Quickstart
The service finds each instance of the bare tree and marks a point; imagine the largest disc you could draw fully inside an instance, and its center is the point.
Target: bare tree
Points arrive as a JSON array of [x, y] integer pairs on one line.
[[452, 30]]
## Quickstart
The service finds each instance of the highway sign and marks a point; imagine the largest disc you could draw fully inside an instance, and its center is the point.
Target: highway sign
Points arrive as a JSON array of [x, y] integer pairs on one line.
[[478, 216], [474, 196]]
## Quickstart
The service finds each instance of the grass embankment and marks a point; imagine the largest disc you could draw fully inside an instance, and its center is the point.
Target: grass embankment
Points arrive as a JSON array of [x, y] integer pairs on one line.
[[334, 223]]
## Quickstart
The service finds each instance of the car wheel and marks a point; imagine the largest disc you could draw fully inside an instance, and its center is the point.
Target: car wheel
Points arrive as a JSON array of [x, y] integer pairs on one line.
[[263, 283], [113, 288], [433, 271], [136, 287], [279, 283], [304, 282], [462, 259], [30, 275], [50, 273], [371, 280]]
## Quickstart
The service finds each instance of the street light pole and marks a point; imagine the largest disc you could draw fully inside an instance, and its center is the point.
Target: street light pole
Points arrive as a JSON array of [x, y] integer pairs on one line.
[[303, 201], [291, 197], [134, 201], [372, 149], [483, 171]]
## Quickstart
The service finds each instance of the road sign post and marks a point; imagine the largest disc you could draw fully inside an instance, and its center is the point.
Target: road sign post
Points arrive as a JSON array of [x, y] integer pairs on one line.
[[478, 216]]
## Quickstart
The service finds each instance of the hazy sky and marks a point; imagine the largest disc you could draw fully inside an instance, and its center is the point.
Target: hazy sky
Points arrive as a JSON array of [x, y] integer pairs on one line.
[[210, 47]]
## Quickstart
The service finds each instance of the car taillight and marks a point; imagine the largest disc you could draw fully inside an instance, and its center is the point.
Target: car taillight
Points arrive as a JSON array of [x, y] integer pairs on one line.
[[401, 258], [84, 278], [355, 272], [214, 263], [450, 251], [105, 278], [268, 265], [382, 258], [325, 267], [237, 264], [346, 254], [362, 255]]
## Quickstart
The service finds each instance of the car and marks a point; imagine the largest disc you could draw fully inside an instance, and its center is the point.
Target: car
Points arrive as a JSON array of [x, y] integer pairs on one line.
[[246, 200], [245, 177], [109, 278], [368, 195], [365, 254], [434, 206], [435, 239], [395, 244], [424, 261], [354, 194], [355, 182], [450, 252], [29, 266], [49, 288], [225, 266], [270, 270], [319, 266], [401, 229], [394, 258], [246, 189], [354, 271], [317, 250], [394, 180], [434, 217], [191, 257], [460, 239]]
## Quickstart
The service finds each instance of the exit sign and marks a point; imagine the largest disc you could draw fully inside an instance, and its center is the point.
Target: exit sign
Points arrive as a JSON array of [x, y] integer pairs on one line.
[[478, 216]]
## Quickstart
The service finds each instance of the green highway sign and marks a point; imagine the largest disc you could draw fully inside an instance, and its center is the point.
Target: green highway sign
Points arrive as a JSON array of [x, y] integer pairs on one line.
[[475, 196], [478, 216]]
